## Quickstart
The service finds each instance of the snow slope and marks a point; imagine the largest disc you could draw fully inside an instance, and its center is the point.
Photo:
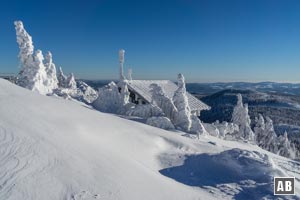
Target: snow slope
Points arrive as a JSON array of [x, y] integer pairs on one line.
[[51, 148]]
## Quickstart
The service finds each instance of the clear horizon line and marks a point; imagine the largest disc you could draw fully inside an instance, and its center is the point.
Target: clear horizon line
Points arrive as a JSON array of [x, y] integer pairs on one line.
[[253, 82]]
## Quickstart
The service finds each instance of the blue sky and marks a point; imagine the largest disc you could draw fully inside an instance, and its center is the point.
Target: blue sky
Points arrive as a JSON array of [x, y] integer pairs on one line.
[[206, 40]]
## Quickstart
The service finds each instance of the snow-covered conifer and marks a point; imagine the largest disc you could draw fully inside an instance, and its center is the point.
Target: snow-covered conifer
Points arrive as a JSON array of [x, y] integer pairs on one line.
[[62, 79], [212, 129], [25, 43], [70, 82], [32, 74], [284, 147], [197, 126], [260, 129], [268, 140], [248, 133], [180, 100], [38, 75], [163, 102], [86, 93], [108, 99], [241, 117], [226, 129], [51, 81], [238, 111]]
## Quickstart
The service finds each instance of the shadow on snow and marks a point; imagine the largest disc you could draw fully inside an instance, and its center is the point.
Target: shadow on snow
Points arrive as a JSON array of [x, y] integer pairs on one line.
[[242, 174]]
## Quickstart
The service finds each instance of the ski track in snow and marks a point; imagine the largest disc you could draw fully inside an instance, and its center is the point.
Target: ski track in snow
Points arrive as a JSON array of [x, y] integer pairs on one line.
[[85, 195], [18, 161], [12, 162], [290, 167]]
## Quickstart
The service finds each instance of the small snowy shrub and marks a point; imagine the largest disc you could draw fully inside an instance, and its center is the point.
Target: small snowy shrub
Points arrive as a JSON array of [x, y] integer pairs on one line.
[[211, 129], [197, 126], [145, 111], [226, 129], [108, 99], [160, 122]]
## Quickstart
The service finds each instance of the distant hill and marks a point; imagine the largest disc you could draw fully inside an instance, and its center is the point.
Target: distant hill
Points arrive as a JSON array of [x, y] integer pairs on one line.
[[211, 88], [268, 87], [95, 84], [284, 110]]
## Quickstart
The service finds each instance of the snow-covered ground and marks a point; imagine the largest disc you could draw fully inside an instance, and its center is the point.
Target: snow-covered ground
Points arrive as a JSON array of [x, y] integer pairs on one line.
[[51, 148]]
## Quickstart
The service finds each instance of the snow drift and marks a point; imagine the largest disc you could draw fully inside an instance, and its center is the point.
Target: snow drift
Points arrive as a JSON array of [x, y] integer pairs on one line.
[[51, 148]]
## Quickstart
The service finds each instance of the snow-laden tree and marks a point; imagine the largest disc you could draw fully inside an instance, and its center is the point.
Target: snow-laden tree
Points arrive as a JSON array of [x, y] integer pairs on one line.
[[25, 43], [38, 75], [108, 99], [197, 126], [226, 130], [259, 129], [212, 129], [180, 99], [163, 102], [241, 117], [51, 81], [268, 139], [62, 79], [284, 146], [238, 111], [82, 92], [70, 82], [33, 74], [86, 93]]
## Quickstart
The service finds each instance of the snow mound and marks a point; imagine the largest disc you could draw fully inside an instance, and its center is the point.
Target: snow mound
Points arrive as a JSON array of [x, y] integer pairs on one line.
[[251, 172], [51, 148], [160, 122]]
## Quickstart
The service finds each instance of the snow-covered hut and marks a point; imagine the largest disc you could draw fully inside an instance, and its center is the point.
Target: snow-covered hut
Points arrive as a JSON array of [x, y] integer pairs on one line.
[[140, 93], [140, 90]]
